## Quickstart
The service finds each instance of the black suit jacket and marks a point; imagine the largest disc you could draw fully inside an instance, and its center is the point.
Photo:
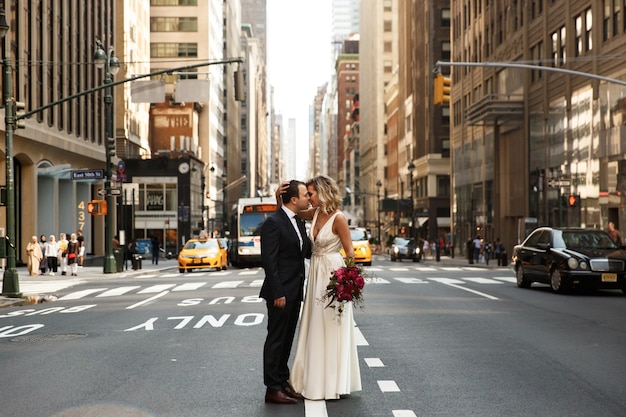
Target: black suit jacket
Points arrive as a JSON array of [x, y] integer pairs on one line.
[[283, 260]]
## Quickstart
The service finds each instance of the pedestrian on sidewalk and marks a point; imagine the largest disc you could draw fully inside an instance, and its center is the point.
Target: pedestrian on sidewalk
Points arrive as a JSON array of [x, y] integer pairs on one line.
[[33, 251], [63, 253], [156, 250], [81, 245], [51, 254], [73, 252], [43, 264]]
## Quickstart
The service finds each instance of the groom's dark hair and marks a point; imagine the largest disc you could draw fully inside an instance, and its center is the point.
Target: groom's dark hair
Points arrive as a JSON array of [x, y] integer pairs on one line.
[[292, 191]]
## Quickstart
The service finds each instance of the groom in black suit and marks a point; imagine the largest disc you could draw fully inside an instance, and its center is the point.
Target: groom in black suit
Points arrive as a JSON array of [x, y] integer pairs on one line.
[[284, 245]]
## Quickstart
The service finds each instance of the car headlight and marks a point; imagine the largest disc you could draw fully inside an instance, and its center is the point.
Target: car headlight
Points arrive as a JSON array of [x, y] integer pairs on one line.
[[572, 263], [395, 249], [584, 265]]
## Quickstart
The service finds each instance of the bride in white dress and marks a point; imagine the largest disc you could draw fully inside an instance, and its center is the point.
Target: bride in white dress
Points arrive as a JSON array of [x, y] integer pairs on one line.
[[326, 364]]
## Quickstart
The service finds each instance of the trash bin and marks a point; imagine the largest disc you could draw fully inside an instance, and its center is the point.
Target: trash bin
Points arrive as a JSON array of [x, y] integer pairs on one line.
[[137, 261], [118, 254]]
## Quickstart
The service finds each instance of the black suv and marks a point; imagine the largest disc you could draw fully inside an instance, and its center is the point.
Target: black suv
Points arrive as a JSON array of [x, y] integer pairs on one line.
[[403, 248]]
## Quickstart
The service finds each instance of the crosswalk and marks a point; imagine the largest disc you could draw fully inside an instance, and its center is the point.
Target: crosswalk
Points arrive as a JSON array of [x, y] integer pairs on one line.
[[250, 278]]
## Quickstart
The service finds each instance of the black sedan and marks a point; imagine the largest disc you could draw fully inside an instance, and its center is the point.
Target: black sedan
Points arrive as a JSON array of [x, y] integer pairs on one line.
[[570, 258], [402, 248]]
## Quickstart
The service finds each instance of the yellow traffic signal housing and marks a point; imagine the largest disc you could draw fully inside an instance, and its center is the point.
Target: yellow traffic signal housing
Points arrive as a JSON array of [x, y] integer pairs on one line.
[[97, 207], [442, 89]]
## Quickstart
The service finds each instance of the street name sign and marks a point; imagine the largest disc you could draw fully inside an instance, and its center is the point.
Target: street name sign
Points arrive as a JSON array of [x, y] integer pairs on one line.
[[88, 174]]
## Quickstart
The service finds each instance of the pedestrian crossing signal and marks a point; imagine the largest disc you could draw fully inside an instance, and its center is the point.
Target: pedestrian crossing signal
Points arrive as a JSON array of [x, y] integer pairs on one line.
[[572, 200], [97, 207]]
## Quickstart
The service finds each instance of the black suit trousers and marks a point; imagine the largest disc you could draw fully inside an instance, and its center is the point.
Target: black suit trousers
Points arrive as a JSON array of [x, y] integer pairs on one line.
[[281, 329]]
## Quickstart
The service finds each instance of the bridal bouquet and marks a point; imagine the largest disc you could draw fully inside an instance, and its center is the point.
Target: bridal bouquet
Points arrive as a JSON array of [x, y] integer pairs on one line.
[[345, 285]]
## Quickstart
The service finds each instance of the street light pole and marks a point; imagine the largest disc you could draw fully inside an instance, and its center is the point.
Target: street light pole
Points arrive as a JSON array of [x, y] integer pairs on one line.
[[378, 185], [111, 66], [10, 282], [411, 167]]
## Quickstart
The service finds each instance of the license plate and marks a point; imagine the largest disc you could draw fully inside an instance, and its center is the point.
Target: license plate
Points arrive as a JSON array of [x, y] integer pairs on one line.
[[609, 277]]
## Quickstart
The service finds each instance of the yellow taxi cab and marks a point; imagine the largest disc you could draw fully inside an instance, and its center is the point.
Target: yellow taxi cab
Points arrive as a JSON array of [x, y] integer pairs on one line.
[[202, 253], [361, 244]]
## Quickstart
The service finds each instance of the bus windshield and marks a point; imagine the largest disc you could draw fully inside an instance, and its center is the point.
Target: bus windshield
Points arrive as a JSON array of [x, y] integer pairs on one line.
[[250, 223]]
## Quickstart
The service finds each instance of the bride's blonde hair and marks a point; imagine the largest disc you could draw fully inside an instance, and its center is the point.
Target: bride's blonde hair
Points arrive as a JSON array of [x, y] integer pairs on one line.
[[328, 192]]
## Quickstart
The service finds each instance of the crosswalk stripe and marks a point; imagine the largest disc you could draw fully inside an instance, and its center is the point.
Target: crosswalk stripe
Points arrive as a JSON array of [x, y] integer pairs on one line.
[[156, 288], [257, 283], [227, 284], [411, 280], [80, 294], [507, 279], [189, 286], [374, 362], [117, 291], [482, 280]]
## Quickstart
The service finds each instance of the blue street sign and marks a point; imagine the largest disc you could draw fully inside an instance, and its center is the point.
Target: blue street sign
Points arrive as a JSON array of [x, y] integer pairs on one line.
[[88, 174]]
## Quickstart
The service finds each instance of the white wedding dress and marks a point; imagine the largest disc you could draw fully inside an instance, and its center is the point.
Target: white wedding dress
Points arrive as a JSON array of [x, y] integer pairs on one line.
[[326, 364]]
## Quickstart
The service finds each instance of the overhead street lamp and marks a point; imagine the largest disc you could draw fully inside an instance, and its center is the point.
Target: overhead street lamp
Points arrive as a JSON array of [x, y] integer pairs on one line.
[[411, 167], [378, 185], [10, 283], [111, 66]]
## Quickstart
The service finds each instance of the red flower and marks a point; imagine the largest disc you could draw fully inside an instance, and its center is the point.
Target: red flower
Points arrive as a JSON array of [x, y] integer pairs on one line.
[[346, 285]]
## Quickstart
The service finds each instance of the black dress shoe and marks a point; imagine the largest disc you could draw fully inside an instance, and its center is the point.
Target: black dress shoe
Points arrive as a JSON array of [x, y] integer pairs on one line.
[[278, 397], [291, 393]]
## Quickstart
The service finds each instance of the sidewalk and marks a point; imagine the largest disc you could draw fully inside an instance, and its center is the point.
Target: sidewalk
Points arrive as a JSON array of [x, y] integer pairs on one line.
[[85, 273]]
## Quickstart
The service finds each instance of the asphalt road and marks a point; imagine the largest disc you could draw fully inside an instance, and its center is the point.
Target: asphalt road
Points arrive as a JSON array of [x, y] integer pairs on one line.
[[436, 339]]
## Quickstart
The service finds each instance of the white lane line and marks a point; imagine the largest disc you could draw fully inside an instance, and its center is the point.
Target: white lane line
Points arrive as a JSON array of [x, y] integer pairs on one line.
[[388, 386], [248, 272], [399, 269], [117, 291], [147, 276], [227, 284], [411, 280], [455, 283], [257, 283], [451, 268], [359, 338], [374, 269], [80, 294], [425, 268], [482, 280], [374, 362], [189, 286], [148, 300], [156, 288], [404, 413], [170, 275], [315, 408]]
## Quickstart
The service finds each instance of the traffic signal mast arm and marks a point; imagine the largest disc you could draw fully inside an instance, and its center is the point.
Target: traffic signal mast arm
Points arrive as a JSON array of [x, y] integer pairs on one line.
[[526, 66], [27, 115]]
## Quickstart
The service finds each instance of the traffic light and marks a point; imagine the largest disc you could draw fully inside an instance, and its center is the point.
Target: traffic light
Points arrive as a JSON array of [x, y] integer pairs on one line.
[[572, 200], [19, 109], [442, 89], [97, 207], [240, 94], [110, 147]]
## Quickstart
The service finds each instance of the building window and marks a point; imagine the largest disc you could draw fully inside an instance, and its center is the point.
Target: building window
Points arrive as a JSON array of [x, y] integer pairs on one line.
[[537, 59], [443, 186], [173, 50], [445, 50], [578, 40], [387, 26], [387, 47], [173, 24], [558, 47], [445, 18], [387, 6], [588, 27], [616, 12], [445, 115], [606, 20], [173, 2]]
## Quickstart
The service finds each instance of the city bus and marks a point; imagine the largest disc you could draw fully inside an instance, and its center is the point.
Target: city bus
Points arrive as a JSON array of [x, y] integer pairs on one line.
[[245, 229]]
